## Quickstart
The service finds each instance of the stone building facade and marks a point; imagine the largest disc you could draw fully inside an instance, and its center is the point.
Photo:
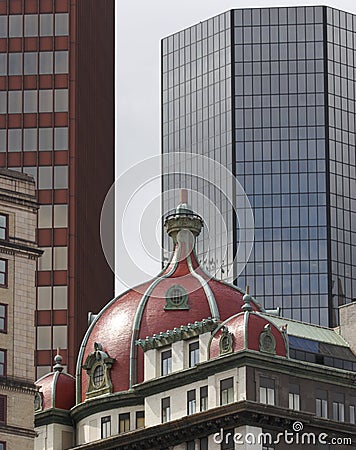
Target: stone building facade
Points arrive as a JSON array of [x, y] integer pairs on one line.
[[18, 257], [187, 362]]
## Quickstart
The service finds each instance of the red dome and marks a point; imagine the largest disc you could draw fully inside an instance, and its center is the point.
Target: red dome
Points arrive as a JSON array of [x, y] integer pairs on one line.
[[249, 331], [144, 310], [57, 389]]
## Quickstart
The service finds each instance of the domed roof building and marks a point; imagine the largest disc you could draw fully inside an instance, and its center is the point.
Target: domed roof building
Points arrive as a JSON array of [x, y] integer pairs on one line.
[[56, 389], [183, 359]]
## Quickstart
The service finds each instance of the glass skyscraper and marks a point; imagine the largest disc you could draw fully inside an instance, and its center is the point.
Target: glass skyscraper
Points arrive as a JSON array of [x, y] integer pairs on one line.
[[270, 94]]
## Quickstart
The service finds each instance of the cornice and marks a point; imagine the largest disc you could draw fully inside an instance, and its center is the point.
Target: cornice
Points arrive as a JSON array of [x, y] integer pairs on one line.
[[213, 421], [16, 384], [53, 415], [178, 334], [202, 371]]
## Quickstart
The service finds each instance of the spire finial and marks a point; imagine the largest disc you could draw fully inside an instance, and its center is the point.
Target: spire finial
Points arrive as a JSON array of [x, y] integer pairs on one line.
[[58, 360], [247, 300], [183, 218], [183, 196]]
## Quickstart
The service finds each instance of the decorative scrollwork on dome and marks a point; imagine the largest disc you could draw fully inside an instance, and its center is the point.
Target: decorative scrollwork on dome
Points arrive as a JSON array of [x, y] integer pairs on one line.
[[226, 342], [97, 366], [267, 341], [176, 298]]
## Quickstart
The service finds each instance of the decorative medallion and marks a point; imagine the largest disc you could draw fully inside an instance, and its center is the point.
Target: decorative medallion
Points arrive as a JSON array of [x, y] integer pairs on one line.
[[176, 298], [267, 341], [98, 365], [226, 341]]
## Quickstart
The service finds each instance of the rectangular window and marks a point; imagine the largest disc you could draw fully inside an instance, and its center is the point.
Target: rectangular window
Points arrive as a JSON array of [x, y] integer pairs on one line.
[[46, 25], [166, 362], [45, 139], [339, 407], [15, 102], [15, 63], [352, 411], [203, 398], [15, 140], [3, 318], [30, 102], [60, 258], [3, 100], [60, 216], [140, 419], [61, 24], [61, 100], [44, 297], [61, 138], [3, 226], [15, 26], [2, 363], [2, 445], [166, 409], [59, 336], [31, 25], [61, 62], [42, 370], [30, 63], [193, 354], [294, 397], [3, 64], [191, 402], [3, 26], [105, 427], [45, 216], [30, 139], [3, 272], [44, 338], [45, 180], [124, 422], [321, 403], [45, 100], [3, 406], [2, 137], [226, 391], [46, 62], [228, 440], [190, 445], [45, 261], [60, 294], [203, 443], [60, 177], [267, 391]]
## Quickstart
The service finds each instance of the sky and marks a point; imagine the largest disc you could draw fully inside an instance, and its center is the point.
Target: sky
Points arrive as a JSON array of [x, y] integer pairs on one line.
[[140, 26]]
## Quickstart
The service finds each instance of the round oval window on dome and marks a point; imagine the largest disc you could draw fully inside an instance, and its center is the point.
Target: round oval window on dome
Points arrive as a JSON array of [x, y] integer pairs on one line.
[[176, 298], [98, 376]]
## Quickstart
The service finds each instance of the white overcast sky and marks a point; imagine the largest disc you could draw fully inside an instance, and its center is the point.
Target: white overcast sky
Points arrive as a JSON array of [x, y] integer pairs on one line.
[[140, 26]]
